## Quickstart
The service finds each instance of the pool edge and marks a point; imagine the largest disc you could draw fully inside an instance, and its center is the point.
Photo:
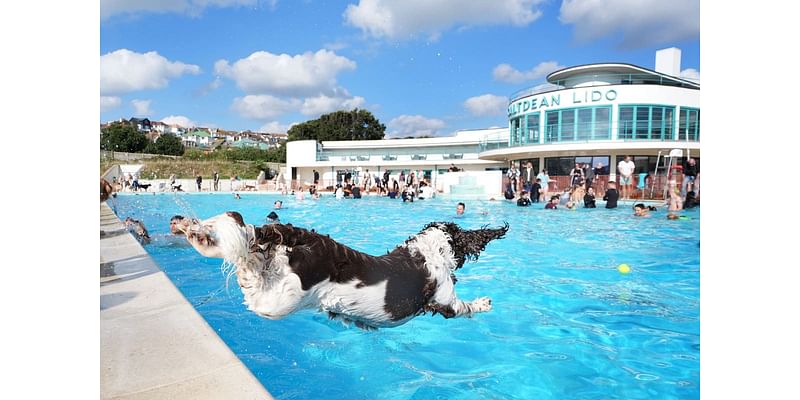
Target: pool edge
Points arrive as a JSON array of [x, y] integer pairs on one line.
[[153, 343]]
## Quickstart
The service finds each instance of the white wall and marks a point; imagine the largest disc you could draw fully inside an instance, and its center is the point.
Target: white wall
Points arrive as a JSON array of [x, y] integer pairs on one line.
[[301, 152], [491, 181]]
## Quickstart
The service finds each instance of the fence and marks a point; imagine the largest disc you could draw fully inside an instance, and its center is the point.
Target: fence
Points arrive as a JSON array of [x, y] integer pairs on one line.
[[600, 184]]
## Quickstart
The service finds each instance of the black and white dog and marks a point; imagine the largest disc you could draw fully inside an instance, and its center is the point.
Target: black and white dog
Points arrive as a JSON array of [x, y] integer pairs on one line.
[[282, 269]]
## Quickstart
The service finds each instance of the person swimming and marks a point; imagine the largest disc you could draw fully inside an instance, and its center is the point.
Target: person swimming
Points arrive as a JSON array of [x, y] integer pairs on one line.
[[178, 225], [640, 210]]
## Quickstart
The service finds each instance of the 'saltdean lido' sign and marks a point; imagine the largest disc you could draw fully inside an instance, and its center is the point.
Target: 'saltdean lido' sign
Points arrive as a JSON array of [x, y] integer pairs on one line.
[[577, 98]]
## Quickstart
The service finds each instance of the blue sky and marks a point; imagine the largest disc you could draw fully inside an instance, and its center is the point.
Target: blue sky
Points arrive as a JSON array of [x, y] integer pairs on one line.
[[422, 67]]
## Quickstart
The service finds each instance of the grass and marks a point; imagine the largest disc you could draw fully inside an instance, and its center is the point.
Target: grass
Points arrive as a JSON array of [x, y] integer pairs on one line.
[[162, 168]]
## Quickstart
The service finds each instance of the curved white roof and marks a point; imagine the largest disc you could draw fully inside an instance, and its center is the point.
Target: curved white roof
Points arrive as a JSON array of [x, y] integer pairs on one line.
[[644, 74]]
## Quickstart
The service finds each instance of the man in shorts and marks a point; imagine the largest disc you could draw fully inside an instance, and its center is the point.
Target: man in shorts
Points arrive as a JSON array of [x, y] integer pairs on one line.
[[625, 169]]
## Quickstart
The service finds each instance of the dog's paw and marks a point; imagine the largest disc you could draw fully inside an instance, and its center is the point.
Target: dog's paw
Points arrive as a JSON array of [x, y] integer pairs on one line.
[[483, 304]]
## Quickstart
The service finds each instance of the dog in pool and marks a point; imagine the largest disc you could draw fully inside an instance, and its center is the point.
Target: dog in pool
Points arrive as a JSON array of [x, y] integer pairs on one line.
[[282, 269]]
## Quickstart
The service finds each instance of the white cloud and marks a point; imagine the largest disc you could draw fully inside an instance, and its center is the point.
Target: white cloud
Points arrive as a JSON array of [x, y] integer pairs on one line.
[[109, 102], [691, 74], [507, 73], [405, 19], [192, 8], [275, 127], [487, 105], [141, 107], [178, 120], [641, 22], [306, 74], [316, 106], [264, 106], [124, 71], [414, 125], [336, 46]]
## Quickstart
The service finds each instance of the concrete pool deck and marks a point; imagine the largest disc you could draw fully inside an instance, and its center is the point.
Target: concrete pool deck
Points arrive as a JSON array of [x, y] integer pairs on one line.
[[153, 343]]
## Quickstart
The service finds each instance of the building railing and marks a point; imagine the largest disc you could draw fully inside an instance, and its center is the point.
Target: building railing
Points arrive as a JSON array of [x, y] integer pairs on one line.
[[462, 152], [600, 80], [486, 146]]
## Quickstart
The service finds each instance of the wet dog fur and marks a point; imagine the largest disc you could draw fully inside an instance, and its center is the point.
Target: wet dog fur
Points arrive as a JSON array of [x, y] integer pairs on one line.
[[282, 269]]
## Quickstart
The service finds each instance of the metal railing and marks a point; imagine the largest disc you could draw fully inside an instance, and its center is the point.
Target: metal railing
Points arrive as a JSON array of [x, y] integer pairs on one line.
[[392, 155]]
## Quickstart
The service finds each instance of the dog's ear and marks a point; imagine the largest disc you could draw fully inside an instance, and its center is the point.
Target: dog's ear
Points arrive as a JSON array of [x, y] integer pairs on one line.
[[236, 217]]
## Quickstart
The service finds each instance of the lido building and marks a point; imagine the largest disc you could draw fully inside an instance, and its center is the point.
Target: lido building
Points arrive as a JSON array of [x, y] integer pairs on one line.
[[592, 114]]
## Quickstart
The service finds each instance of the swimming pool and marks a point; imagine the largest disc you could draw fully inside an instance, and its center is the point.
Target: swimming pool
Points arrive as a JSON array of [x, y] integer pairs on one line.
[[565, 322]]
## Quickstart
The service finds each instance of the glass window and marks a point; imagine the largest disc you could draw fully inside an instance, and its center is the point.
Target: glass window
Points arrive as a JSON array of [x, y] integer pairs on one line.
[[584, 124], [602, 123], [515, 139], [533, 128], [657, 131], [603, 162], [669, 121], [567, 125], [552, 126], [642, 122], [689, 126], [559, 166], [693, 132], [625, 123], [646, 122]]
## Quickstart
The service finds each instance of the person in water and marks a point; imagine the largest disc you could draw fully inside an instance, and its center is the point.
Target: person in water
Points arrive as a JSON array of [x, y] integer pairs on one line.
[[612, 195], [640, 210], [524, 199]]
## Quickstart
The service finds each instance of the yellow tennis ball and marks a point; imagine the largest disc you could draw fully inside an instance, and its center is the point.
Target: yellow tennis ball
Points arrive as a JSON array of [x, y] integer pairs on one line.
[[624, 269]]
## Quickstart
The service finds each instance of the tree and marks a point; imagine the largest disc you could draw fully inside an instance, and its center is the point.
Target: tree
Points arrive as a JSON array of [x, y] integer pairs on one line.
[[166, 144], [122, 137], [340, 125]]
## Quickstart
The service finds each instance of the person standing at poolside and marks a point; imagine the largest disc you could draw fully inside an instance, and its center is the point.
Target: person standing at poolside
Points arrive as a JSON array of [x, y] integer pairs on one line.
[[316, 177], [576, 175], [598, 171], [626, 169], [536, 190], [216, 181], [512, 178], [527, 177], [199, 181], [545, 182], [689, 175], [367, 182], [588, 173]]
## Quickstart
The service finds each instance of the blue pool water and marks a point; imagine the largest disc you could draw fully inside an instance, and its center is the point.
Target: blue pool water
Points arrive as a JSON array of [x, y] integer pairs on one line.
[[565, 323]]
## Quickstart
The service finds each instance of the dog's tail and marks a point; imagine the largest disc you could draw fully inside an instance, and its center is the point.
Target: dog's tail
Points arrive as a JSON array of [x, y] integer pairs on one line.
[[467, 245]]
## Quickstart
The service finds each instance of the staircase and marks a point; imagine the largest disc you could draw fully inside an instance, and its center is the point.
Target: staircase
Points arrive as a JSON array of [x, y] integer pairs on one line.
[[467, 185]]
